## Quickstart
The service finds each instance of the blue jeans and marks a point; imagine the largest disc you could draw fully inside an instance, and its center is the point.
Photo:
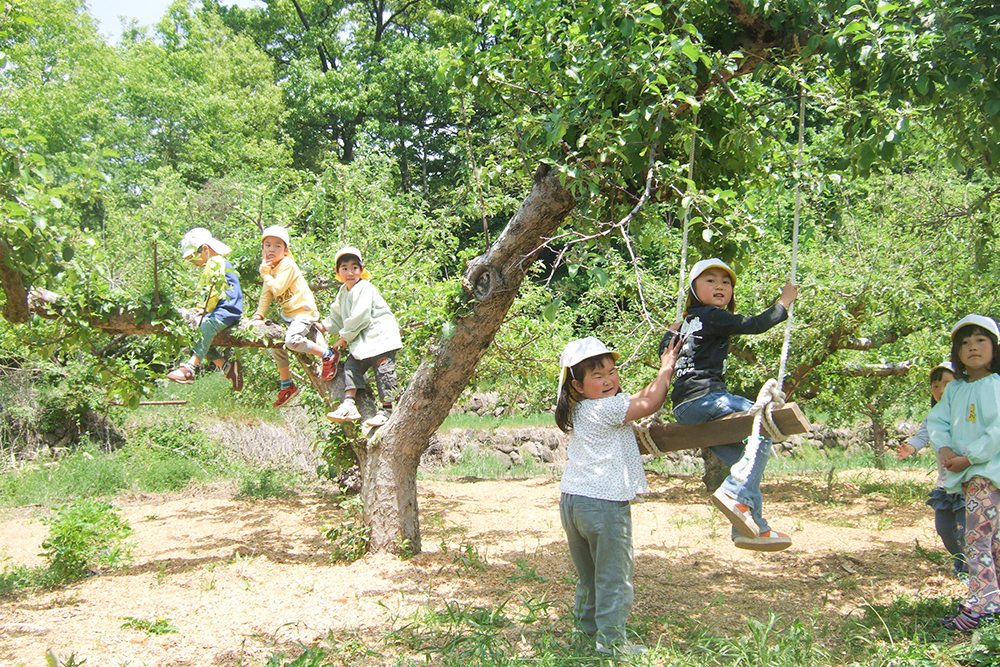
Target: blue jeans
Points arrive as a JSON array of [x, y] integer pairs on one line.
[[210, 328], [714, 406], [599, 533]]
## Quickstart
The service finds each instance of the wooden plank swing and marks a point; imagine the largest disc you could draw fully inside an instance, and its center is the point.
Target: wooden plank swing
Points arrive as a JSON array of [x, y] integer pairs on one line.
[[732, 428]]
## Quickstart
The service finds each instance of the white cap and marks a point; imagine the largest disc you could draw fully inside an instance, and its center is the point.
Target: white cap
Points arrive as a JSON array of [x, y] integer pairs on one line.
[[701, 267], [198, 237], [276, 231], [986, 323], [578, 350], [351, 250], [945, 365], [706, 264]]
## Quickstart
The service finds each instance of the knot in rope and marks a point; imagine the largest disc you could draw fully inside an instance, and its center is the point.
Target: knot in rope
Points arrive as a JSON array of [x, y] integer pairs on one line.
[[641, 429], [768, 398]]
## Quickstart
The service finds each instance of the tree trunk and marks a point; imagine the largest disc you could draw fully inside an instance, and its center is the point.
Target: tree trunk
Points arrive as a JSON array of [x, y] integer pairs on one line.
[[15, 308], [389, 460], [878, 440], [716, 470]]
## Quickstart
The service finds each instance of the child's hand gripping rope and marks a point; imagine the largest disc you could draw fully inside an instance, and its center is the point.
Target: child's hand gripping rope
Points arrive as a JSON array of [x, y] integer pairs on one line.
[[768, 398]]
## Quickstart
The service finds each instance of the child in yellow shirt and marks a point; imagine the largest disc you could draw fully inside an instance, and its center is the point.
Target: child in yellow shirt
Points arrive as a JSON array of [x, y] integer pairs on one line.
[[285, 285]]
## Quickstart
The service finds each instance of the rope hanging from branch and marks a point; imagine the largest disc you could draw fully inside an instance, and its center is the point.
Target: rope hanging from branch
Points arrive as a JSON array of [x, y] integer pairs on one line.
[[771, 394], [681, 282]]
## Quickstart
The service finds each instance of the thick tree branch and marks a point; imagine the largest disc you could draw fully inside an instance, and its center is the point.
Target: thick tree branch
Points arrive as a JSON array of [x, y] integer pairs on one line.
[[877, 370], [256, 333]]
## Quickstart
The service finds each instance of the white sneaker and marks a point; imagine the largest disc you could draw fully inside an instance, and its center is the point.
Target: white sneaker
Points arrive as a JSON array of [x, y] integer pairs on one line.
[[346, 412], [624, 648], [739, 515], [380, 418], [770, 540]]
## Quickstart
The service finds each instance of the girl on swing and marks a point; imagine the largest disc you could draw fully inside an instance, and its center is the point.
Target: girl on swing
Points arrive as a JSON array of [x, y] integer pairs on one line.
[[700, 395]]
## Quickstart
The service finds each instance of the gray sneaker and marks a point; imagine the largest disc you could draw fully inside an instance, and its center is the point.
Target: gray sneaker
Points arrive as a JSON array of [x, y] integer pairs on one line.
[[346, 412]]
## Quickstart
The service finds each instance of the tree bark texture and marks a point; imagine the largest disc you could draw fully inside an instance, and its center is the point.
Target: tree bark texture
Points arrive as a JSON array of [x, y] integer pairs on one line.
[[389, 460], [15, 308]]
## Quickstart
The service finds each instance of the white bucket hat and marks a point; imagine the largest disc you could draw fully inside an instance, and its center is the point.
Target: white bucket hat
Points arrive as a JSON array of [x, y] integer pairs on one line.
[[198, 237], [276, 231], [351, 250], [986, 323], [578, 350]]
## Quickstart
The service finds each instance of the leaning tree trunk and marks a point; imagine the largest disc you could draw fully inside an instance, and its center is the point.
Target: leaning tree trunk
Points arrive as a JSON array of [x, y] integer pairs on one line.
[[389, 461]]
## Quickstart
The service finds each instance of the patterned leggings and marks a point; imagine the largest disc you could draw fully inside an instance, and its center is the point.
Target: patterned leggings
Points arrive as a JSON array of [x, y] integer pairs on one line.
[[982, 545]]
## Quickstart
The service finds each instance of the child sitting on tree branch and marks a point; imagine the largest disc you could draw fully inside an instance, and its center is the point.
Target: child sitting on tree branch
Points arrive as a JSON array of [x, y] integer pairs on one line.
[[285, 285], [365, 325], [221, 305]]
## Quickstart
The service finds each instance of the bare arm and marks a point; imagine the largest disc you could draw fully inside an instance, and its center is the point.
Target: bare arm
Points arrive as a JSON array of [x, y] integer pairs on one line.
[[651, 398]]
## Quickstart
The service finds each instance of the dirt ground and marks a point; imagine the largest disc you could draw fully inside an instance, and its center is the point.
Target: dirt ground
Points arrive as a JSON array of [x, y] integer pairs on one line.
[[243, 580]]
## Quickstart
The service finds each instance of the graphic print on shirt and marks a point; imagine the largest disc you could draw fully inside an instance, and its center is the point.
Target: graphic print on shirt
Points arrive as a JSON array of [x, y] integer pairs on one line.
[[685, 358], [972, 414]]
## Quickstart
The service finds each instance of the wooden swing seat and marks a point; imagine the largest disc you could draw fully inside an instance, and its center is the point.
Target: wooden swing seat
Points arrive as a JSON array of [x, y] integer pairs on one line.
[[731, 428]]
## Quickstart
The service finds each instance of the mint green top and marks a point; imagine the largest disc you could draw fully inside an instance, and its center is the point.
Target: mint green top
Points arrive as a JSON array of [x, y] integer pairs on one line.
[[362, 318], [967, 419]]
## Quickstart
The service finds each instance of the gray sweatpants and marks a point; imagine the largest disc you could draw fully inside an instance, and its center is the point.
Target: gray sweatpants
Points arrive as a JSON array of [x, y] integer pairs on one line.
[[599, 533]]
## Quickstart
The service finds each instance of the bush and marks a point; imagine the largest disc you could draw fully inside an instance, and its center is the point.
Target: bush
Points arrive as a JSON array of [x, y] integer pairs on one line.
[[85, 536]]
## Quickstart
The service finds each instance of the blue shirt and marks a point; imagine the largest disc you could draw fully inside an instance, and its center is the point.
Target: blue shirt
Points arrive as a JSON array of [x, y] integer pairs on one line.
[[967, 420]]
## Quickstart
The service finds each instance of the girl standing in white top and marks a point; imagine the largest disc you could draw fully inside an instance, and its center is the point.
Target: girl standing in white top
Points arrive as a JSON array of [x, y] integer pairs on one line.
[[603, 474]]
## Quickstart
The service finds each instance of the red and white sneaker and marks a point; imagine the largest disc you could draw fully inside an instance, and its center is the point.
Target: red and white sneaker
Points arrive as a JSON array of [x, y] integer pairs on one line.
[[737, 513], [769, 540], [329, 366], [285, 395]]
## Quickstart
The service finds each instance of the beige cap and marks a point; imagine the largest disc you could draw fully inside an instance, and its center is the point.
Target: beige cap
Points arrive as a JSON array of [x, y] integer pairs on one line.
[[276, 231]]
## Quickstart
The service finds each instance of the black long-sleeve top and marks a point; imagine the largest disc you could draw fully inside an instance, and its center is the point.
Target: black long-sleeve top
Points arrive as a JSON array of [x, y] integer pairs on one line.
[[701, 363]]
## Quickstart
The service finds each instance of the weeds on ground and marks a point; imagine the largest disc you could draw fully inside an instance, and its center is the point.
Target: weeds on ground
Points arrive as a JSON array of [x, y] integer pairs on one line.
[[350, 539], [53, 660], [266, 483], [525, 573], [84, 537], [469, 559], [158, 626], [327, 653]]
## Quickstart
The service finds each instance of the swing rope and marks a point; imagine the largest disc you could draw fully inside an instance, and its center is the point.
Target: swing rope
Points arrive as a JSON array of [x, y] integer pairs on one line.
[[681, 282], [641, 427], [771, 394]]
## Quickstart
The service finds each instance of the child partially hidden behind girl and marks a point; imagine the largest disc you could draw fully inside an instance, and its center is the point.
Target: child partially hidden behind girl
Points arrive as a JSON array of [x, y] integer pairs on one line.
[[964, 429], [220, 305], [602, 475], [700, 393]]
